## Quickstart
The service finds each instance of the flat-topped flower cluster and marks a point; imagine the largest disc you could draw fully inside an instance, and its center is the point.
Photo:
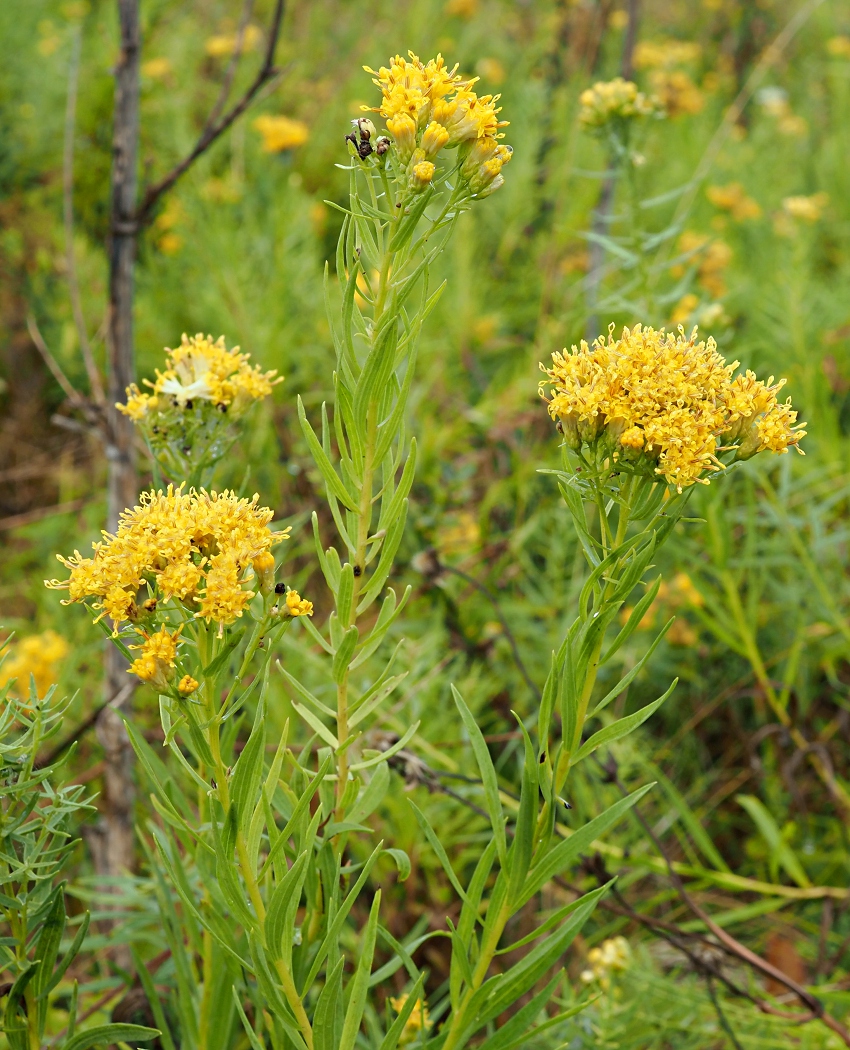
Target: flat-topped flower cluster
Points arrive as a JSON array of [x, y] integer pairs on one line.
[[659, 403], [195, 547], [202, 370], [428, 107]]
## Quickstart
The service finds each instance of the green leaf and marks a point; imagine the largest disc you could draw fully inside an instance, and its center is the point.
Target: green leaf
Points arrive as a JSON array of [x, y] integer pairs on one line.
[[622, 727], [519, 858], [488, 776], [560, 856], [770, 832], [246, 1024], [437, 847], [390, 1040], [402, 862], [345, 594], [149, 987], [372, 795], [248, 771], [47, 950], [106, 1034], [630, 676], [359, 987], [275, 920], [517, 1027], [328, 1018], [331, 478], [343, 655]]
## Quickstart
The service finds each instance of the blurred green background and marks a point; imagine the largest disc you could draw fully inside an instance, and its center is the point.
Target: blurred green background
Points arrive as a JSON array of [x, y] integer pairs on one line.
[[753, 216]]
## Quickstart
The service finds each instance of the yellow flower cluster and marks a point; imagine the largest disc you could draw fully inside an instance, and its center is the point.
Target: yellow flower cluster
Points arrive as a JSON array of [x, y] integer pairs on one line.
[[676, 92], [711, 256], [38, 655], [418, 1021], [201, 369], [195, 547], [159, 653], [428, 107], [611, 956], [281, 133], [612, 100], [733, 199], [663, 404], [664, 54], [809, 209]]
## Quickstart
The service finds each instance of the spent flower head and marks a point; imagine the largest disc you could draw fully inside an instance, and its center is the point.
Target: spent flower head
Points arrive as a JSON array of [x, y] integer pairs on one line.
[[612, 956], [429, 108], [190, 554], [655, 403]]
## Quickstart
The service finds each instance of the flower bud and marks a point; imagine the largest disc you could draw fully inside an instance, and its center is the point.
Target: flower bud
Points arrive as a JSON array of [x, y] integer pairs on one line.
[[296, 605], [264, 568], [403, 130], [421, 176], [434, 138], [187, 685]]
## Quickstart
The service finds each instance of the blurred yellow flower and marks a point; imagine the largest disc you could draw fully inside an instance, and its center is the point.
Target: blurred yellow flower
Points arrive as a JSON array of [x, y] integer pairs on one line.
[[38, 655], [156, 68], [612, 956], [809, 209], [418, 1021], [733, 199], [839, 46], [664, 54], [684, 308], [460, 535], [676, 91], [223, 190], [49, 39], [616, 99], [461, 8], [491, 69], [224, 44], [281, 133], [711, 257]]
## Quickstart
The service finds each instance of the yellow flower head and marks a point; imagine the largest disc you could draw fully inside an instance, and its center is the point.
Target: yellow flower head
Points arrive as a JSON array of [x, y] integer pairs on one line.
[[429, 107], [196, 547], [38, 655], [809, 209], [187, 685], [418, 1020], [733, 199], [664, 404], [612, 956], [281, 133], [158, 654], [615, 100], [297, 606]]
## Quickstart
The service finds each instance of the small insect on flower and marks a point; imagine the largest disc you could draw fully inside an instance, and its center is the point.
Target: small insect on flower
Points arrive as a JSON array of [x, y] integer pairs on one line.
[[654, 403]]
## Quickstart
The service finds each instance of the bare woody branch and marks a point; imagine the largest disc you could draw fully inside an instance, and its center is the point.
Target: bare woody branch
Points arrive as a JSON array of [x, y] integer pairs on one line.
[[215, 128]]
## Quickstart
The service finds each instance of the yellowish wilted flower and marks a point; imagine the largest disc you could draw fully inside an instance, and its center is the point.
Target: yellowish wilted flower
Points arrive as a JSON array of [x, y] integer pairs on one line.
[[418, 1021], [665, 54], [615, 100], [38, 655], [281, 133], [612, 956], [732, 198], [662, 404], [194, 547], [808, 209], [224, 44]]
